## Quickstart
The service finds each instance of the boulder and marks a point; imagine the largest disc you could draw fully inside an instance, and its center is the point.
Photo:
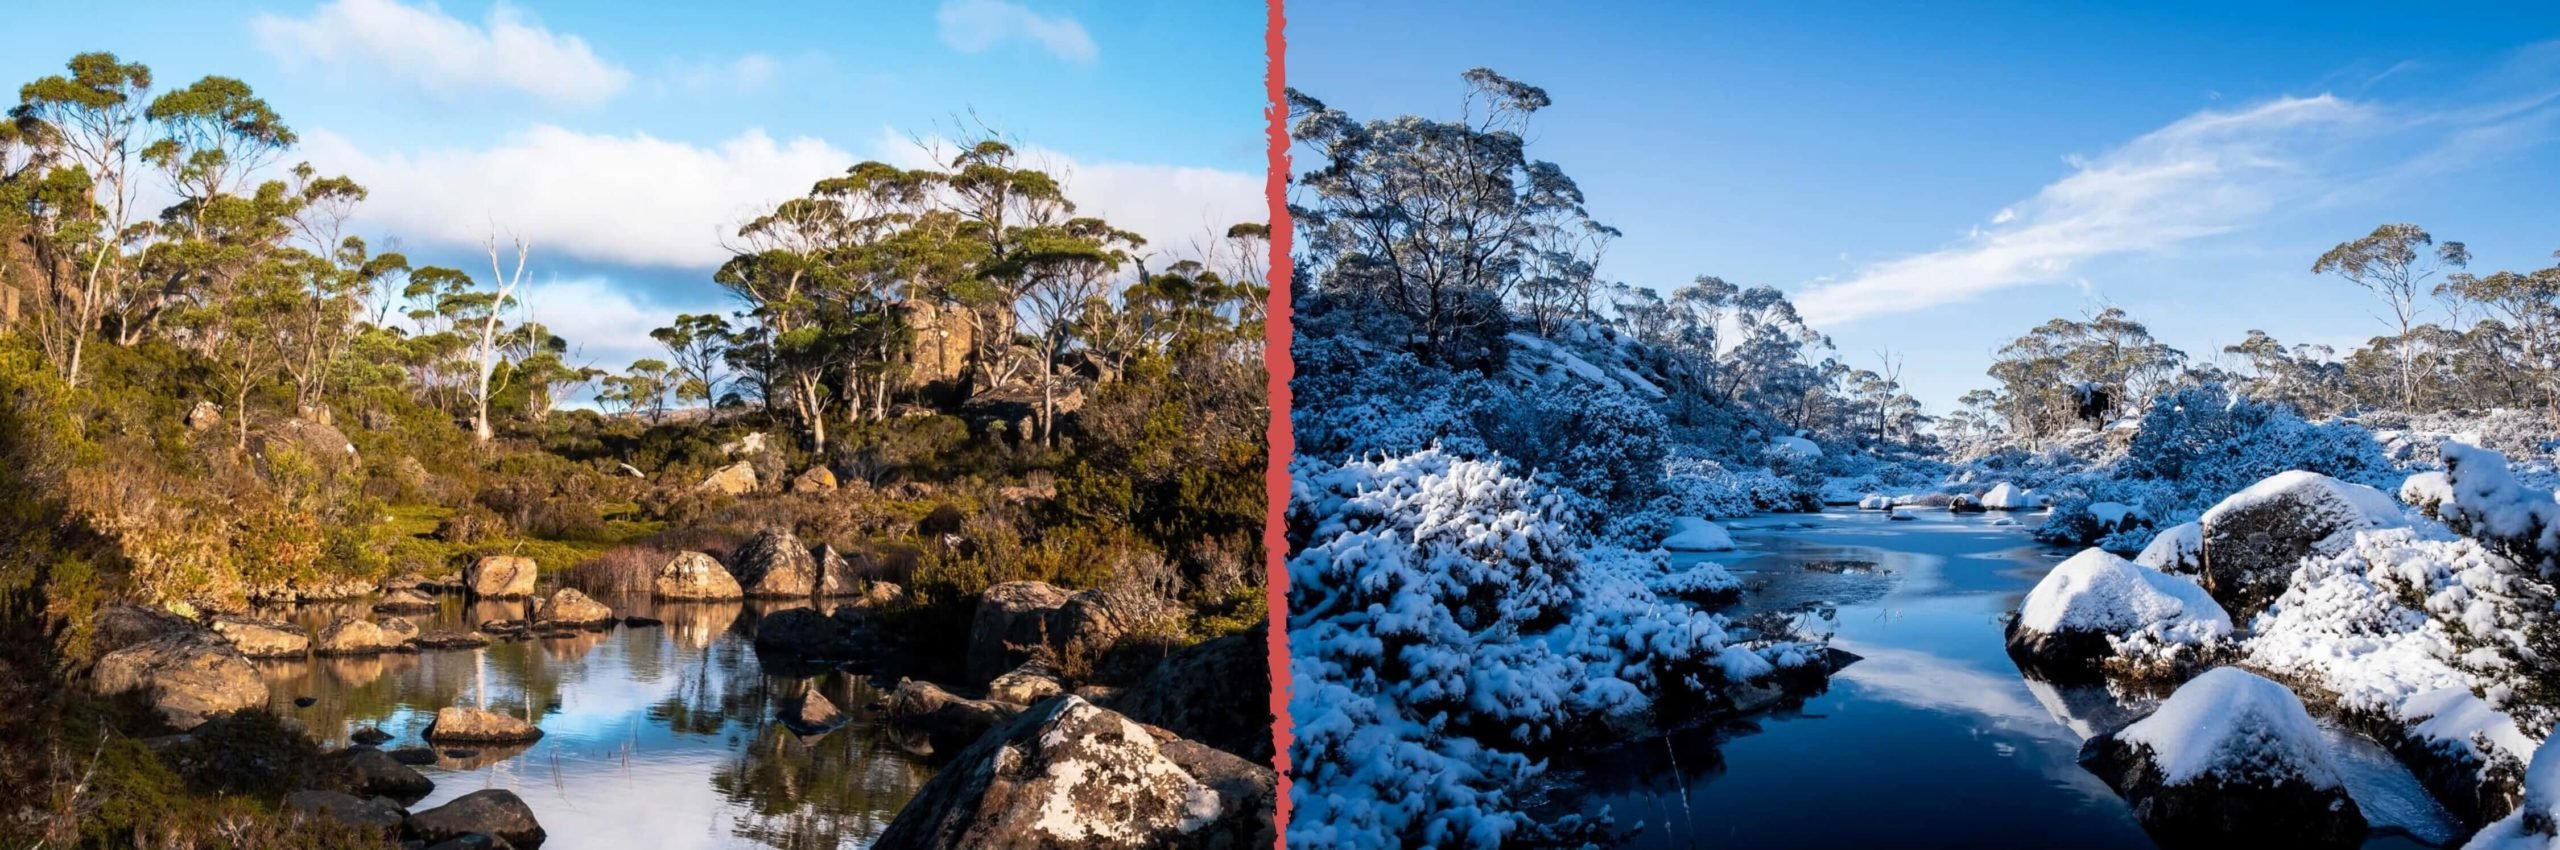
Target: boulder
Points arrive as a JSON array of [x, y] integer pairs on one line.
[[1875, 502], [1093, 621], [412, 756], [1073, 775], [817, 480], [1012, 618], [773, 565], [496, 812], [805, 633], [2178, 550], [406, 600], [568, 607], [1964, 504], [187, 678], [448, 639], [352, 636], [204, 416], [737, 479], [2005, 496], [1694, 534], [694, 575], [370, 772], [466, 724], [747, 446], [2251, 541], [500, 577], [318, 442], [945, 721], [836, 576], [366, 813], [2096, 605], [2229, 760], [368, 736], [1216, 692], [881, 594], [262, 638], [119, 625], [400, 631], [813, 713], [1032, 682]]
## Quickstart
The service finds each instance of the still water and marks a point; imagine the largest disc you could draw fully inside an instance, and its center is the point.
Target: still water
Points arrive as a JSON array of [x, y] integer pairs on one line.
[[661, 737], [1934, 739]]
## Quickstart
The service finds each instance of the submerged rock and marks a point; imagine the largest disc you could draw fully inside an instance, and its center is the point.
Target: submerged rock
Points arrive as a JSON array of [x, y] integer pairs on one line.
[[496, 811], [261, 638], [814, 713], [945, 721], [805, 633], [2250, 541], [352, 636], [694, 575], [373, 773], [2096, 606], [2230, 759], [568, 607], [1073, 775], [500, 577], [462, 723], [408, 600], [187, 678]]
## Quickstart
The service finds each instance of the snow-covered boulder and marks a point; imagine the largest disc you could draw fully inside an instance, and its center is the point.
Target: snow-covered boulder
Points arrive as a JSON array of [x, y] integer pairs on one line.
[[2484, 502], [2005, 496], [2252, 539], [1693, 534], [1875, 502], [2096, 606], [2536, 824], [2231, 759], [2468, 753], [1795, 448], [2179, 549]]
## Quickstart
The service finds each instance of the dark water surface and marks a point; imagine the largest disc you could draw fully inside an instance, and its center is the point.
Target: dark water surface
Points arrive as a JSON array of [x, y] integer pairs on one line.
[[659, 737], [1934, 739]]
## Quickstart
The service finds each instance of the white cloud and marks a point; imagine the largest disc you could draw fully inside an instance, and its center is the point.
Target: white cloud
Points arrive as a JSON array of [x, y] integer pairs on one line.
[[607, 325], [441, 54], [748, 73], [619, 200], [973, 26], [2206, 174], [638, 201]]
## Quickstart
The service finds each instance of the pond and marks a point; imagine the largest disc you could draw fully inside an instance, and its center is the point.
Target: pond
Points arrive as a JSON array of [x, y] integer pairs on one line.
[[1934, 738], [659, 736]]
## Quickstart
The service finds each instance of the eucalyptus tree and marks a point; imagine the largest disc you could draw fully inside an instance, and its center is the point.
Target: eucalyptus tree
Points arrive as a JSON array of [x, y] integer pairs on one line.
[[2394, 262], [1066, 270], [1004, 205], [89, 120], [2527, 306], [2046, 375], [490, 318], [694, 343], [1438, 221]]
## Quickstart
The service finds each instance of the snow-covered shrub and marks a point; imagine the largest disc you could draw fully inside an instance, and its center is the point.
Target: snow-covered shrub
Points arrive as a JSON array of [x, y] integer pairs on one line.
[[1448, 621], [2206, 443], [1361, 400], [2482, 501], [1598, 441], [2535, 825], [1693, 486]]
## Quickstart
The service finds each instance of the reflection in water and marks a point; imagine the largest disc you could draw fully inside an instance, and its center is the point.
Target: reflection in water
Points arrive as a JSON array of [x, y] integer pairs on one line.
[[1933, 738], [661, 736]]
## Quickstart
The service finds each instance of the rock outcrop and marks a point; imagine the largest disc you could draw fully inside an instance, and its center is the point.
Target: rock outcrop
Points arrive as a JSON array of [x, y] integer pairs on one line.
[[817, 479], [694, 575], [188, 678], [472, 725], [1032, 682], [1012, 618], [1073, 775], [737, 479], [500, 577], [1216, 692]]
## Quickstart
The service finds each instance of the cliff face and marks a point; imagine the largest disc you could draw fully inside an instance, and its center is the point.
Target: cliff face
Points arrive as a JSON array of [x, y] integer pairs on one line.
[[943, 342]]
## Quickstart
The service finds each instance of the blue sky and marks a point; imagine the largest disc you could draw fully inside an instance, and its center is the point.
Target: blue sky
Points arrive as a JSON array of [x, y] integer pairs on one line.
[[1937, 181], [624, 139]]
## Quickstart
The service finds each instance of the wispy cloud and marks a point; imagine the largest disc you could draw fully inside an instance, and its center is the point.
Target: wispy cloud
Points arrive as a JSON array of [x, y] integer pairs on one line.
[[442, 54], [974, 26]]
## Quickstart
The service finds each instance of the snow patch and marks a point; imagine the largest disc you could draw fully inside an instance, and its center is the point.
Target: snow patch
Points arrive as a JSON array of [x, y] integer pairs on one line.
[[2095, 591], [2235, 726], [1694, 534]]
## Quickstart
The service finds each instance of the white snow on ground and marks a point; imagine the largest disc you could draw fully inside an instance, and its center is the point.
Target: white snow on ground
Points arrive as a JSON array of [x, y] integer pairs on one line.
[[1796, 447], [2541, 803], [2355, 505], [2426, 489], [2007, 496], [2099, 592], [2177, 546], [2236, 726], [1695, 534], [2112, 514]]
